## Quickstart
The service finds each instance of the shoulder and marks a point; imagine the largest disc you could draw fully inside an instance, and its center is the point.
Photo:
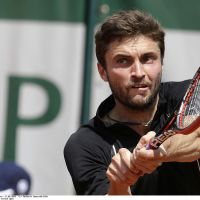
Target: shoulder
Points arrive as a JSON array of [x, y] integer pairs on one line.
[[83, 137], [86, 140], [86, 135], [174, 90], [87, 156]]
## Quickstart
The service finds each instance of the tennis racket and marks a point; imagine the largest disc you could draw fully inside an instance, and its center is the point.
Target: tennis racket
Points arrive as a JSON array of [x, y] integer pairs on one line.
[[186, 117]]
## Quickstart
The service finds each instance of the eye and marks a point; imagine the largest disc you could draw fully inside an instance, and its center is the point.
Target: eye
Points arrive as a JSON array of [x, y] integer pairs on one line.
[[148, 58], [123, 61]]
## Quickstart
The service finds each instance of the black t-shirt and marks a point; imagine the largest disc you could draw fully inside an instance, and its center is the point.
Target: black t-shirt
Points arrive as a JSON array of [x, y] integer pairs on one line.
[[88, 152]]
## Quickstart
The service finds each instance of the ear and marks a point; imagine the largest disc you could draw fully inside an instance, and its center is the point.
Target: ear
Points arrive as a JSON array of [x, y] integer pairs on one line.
[[102, 72]]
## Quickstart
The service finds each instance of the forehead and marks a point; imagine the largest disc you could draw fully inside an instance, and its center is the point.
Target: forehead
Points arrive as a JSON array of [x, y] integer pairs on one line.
[[131, 45]]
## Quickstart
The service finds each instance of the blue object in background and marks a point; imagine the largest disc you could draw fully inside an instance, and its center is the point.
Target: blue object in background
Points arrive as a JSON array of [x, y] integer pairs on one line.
[[14, 179]]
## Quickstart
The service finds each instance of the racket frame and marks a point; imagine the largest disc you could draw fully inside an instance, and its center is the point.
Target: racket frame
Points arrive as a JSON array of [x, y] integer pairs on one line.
[[167, 130]]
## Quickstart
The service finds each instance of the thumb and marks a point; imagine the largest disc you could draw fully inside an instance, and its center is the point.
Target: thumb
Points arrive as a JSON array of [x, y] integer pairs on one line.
[[144, 140]]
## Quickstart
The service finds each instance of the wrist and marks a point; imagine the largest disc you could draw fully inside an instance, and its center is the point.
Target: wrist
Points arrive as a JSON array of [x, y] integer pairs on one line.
[[119, 189]]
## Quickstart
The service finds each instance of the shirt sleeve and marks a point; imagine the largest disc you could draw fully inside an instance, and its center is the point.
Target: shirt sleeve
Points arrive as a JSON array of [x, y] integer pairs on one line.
[[87, 163], [175, 91]]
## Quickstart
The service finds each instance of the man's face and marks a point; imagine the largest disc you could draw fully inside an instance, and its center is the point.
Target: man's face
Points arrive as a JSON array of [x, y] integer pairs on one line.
[[133, 70]]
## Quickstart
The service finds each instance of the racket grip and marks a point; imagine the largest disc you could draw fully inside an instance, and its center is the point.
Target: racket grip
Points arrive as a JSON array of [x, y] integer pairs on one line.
[[157, 141], [150, 146]]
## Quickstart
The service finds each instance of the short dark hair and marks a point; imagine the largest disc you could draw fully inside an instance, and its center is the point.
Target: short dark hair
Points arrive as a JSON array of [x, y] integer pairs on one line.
[[131, 23]]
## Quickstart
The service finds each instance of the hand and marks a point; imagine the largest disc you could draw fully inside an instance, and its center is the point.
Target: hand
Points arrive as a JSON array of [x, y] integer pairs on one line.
[[147, 160], [177, 148], [122, 173], [183, 148]]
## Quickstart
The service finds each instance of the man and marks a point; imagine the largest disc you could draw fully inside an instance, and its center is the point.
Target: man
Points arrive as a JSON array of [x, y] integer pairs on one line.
[[108, 155]]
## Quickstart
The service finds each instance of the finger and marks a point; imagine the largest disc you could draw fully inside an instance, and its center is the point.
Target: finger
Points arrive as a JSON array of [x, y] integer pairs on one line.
[[115, 170], [126, 157], [128, 169], [160, 152], [113, 174], [120, 168], [150, 155], [116, 176], [144, 140], [148, 167]]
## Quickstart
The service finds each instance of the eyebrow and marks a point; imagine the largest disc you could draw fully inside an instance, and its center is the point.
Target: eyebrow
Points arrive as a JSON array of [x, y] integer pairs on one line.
[[122, 55], [148, 53]]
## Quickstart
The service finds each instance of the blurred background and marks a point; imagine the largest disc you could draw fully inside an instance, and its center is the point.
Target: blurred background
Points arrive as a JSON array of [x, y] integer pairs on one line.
[[49, 84]]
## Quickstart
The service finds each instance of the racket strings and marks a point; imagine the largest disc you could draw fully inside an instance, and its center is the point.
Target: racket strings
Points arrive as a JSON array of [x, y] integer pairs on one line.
[[190, 109], [193, 107]]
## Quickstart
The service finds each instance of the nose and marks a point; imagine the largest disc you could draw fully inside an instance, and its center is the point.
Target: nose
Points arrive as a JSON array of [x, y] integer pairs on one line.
[[137, 70]]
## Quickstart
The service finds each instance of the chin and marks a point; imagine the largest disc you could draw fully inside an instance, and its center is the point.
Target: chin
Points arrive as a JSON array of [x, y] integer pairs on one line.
[[141, 103], [140, 100]]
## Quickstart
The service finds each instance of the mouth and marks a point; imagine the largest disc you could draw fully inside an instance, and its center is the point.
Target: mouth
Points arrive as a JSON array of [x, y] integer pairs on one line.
[[138, 86]]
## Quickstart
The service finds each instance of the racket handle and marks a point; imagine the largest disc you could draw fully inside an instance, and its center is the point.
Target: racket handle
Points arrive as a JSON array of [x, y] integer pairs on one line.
[[157, 141], [149, 146]]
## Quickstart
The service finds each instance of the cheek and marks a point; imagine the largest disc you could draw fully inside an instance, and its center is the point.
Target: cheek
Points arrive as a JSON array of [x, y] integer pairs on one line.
[[154, 73], [154, 76], [117, 79], [118, 74]]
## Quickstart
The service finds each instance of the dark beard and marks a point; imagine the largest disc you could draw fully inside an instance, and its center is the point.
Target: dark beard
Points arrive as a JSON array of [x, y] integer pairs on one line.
[[149, 102], [139, 106]]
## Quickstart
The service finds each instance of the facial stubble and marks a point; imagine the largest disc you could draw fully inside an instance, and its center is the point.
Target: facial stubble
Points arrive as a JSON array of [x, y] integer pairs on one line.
[[127, 100]]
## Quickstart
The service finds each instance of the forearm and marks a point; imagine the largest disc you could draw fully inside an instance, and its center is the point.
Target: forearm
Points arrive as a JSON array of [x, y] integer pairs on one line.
[[183, 148], [119, 189], [178, 148]]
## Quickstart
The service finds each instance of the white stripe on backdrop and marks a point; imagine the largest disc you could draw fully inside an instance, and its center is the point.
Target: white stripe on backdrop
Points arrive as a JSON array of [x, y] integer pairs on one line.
[[182, 54], [53, 52]]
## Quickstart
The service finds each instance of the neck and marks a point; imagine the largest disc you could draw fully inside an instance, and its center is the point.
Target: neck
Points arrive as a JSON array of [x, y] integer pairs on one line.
[[143, 117]]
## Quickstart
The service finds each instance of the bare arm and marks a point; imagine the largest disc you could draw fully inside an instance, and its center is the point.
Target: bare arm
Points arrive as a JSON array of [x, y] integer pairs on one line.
[[180, 148], [183, 148]]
